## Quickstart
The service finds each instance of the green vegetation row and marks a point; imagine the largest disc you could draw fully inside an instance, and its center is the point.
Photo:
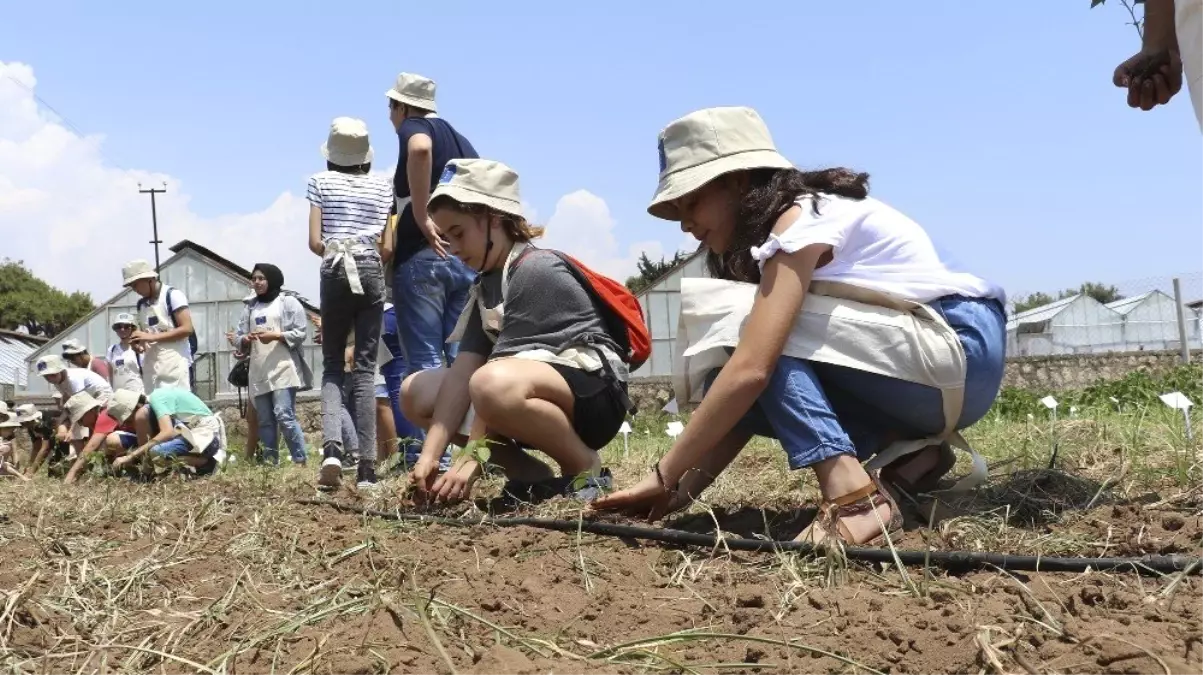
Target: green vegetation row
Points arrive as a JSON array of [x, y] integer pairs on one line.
[[1136, 389]]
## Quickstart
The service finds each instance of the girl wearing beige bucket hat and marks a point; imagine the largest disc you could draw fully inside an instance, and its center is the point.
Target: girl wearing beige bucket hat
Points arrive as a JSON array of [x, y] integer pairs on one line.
[[348, 215], [838, 326], [8, 457], [537, 368]]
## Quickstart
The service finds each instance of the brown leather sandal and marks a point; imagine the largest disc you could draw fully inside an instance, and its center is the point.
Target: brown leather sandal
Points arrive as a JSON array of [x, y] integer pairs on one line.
[[865, 500], [927, 482]]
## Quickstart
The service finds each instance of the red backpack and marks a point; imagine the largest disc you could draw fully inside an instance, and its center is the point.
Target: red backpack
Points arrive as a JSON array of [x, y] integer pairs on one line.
[[624, 320]]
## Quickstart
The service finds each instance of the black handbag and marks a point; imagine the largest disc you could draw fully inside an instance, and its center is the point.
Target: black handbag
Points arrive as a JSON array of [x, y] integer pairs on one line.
[[240, 374]]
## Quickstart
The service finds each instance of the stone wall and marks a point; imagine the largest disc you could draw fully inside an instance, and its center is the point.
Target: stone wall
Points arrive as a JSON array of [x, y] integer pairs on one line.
[[1073, 371]]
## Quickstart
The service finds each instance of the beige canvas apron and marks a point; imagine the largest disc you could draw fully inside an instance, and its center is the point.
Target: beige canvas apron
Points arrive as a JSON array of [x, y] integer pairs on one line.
[[271, 367], [841, 325], [162, 363], [126, 373], [200, 430]]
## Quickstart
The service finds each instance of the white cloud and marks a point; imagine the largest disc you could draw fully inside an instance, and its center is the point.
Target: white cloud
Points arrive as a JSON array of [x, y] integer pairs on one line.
[[75, 218], [583, 227]]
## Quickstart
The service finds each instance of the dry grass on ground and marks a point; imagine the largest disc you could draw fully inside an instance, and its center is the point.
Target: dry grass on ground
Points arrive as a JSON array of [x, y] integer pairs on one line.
[[230, 575]]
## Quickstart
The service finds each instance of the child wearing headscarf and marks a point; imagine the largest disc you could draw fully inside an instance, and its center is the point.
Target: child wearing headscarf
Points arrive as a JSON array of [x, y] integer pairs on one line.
[[272, 331]]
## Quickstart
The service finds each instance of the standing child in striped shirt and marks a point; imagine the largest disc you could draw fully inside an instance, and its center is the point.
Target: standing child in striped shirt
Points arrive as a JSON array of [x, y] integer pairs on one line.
[[348, 213]]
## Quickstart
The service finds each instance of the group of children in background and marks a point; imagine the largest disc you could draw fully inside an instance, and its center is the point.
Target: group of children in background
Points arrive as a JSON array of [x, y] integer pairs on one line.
[[830, 322]]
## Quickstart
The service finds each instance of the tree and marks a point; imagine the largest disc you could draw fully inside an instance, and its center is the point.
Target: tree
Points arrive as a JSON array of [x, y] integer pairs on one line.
[[27, 301], [1101, 292], [650, 270]]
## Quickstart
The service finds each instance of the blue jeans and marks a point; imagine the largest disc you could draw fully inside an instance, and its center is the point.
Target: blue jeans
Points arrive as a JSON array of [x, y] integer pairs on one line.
[[394, 372], [429, 294], [280, 408], [819, 411], [178, 446]]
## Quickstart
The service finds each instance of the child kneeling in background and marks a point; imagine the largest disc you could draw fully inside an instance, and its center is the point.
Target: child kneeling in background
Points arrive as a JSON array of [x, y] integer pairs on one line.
[[548, 375], [184, 430]]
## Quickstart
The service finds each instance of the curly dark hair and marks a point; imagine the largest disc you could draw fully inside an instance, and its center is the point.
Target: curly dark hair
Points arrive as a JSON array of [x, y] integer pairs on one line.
[[770, 193]]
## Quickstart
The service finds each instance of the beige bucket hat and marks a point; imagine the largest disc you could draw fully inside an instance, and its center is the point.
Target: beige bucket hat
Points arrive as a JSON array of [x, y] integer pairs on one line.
[[137, 269], [706, 144], [9, 421], [122, 405], [79, 404], [27, 412], [125, 319], [348, 143], [414, 90], [480, 181], [72, 347], [50, 364]]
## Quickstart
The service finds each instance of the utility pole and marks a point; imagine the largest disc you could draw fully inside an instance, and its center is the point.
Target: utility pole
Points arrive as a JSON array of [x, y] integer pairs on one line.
[[154, 219]]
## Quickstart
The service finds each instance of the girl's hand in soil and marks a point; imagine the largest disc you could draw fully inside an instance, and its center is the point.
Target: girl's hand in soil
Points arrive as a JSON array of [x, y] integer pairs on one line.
[[646, 499], [422, 477], [456, 484]]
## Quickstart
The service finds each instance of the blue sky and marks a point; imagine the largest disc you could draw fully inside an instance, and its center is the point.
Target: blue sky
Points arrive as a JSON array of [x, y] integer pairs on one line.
[[995, 125]]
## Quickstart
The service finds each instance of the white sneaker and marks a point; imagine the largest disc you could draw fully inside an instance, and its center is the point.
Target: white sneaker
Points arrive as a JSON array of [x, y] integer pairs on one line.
[[330, 476]]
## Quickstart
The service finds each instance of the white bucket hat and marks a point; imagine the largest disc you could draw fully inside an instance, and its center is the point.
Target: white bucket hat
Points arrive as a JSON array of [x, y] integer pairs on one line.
[[72, 347], [137, 269], [706, 144], [122, 404], [50, 365], [9, 421], [348, 143], [79, 404], [27, 412], [480, 181], [125, 319], [413, 90]]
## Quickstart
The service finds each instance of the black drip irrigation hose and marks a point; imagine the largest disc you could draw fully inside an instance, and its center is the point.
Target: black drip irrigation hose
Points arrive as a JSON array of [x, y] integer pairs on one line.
[[953, 561]]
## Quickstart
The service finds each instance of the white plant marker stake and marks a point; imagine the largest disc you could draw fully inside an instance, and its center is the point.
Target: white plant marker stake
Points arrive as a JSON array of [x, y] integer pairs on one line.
[[674, 429], [625, 430], [1073, 411], [1116, 402], [671, 408], [1178, 401], [1051, 403]]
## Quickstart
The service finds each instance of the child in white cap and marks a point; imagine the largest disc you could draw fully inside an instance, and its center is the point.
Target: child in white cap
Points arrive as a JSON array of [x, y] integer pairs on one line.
[[70, 381], [539, 361], [8, 463], [111, 436], [75, 353], [348, 212], [165, 335], [40, 425], [125, 363], [838, 326]]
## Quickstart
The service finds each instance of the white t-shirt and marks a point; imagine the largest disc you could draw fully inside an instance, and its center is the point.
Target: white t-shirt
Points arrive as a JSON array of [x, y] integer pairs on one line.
[[353, 206], [149, 318], [82, 379], [876, 247]]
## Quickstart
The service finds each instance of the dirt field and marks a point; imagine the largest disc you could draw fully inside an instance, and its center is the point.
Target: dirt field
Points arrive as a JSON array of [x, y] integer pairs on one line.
[[230, 575]]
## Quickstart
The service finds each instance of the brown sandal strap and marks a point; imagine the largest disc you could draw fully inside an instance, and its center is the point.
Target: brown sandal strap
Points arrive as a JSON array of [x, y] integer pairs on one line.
[[868, 498]]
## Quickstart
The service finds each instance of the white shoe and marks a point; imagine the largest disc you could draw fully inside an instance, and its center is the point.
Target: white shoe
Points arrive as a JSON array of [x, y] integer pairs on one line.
[[330, 475]]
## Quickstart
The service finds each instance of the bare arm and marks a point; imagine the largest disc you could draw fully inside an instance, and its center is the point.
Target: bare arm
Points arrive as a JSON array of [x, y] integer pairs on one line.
[[779, 298], [166, 433], [93, 444], [450, 405], [1159, 29], [419, 158], [315, 230]]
